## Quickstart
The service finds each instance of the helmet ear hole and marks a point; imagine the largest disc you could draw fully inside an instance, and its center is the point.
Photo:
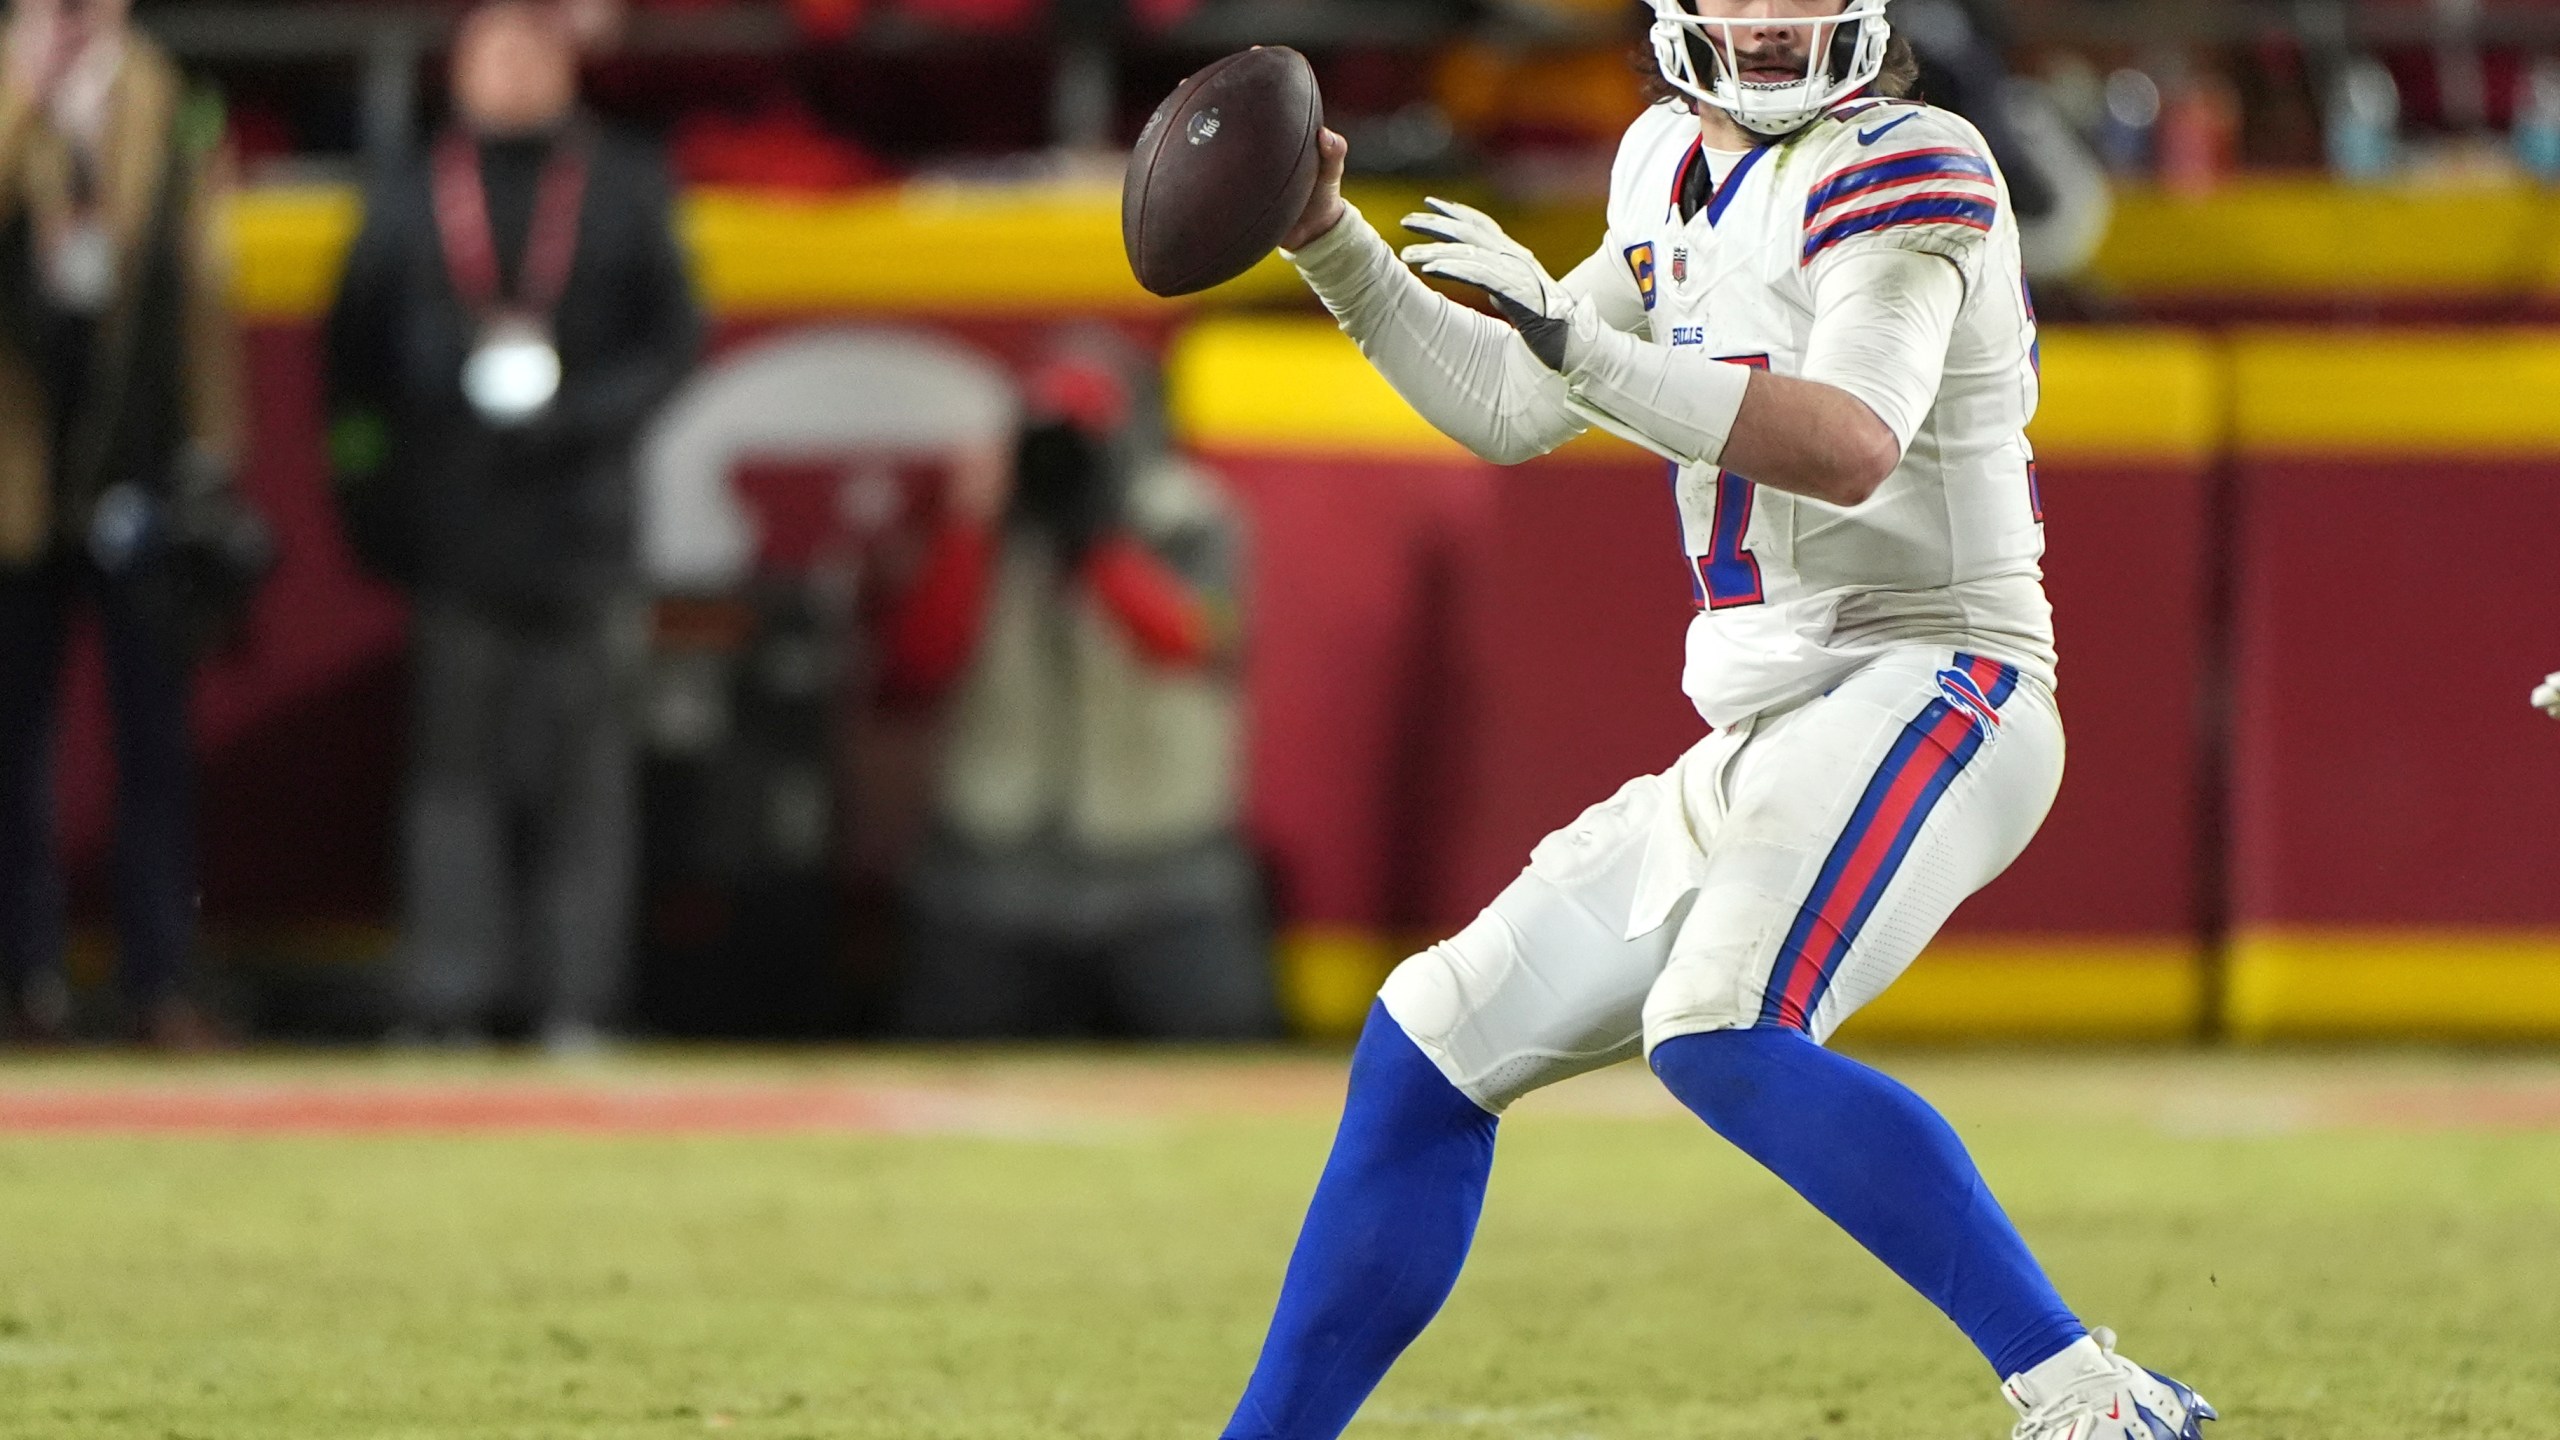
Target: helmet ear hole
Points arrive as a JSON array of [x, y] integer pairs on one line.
[[1703, 62], [1843, 58]]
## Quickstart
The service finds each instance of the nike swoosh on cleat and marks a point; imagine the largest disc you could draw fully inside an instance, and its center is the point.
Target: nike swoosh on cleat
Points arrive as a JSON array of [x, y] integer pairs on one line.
[[1869, 137]]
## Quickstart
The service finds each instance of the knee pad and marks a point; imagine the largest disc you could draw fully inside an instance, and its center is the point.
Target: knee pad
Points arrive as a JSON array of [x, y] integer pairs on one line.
[[1533, 990]]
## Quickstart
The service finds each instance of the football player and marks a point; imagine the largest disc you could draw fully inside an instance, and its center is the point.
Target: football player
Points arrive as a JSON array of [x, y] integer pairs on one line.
[[1809, 302]]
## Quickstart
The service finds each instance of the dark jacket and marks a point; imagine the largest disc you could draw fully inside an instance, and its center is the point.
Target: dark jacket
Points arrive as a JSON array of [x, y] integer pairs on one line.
[[536, 520], [87, 404]]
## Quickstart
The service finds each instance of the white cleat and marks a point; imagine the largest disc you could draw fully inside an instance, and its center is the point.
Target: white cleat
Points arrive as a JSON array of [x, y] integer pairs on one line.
[[2089, 1392]]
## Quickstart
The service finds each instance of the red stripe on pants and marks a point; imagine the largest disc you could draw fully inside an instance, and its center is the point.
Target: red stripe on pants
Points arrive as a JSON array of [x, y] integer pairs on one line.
[[1867, 860]]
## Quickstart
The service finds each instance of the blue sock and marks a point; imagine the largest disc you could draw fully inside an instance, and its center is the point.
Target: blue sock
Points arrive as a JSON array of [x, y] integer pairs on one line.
[[1885, 1167], [1385, 1236]]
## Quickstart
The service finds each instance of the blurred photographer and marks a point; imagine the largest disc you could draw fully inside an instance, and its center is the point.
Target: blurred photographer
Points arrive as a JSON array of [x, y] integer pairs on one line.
[[120, 426], [514, 309], [1086, 874]]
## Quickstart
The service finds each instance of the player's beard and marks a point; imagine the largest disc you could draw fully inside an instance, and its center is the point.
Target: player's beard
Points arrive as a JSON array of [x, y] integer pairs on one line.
[[1781, 65]]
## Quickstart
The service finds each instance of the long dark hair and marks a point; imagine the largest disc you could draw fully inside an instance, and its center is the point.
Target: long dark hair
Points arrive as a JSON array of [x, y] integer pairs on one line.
[[1898, 80]]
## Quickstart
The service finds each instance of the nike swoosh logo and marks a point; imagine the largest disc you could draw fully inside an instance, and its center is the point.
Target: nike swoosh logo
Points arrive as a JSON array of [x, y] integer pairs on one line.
[[1869, 137]]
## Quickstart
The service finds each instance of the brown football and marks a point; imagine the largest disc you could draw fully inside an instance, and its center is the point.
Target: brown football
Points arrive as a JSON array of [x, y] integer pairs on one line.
[[1222, 170]]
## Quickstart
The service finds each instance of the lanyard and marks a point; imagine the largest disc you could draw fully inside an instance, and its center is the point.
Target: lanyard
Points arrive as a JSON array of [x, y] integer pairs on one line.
[[551, 241]]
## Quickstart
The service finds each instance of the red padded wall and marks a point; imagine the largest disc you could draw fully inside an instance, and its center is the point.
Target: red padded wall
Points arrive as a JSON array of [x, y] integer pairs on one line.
[[1574, 610], [2392, 617], [1359, 699], [2126, 563]]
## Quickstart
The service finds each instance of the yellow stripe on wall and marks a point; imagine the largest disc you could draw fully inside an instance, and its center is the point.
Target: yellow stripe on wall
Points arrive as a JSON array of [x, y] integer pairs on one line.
[[2293, 236], [2375, 984], [2131, 394], [995, 247], [918, 249], [288, 245], [2421, 392], [1971, 988], [1294, 386], [1328, 974], [1300, 386], [939, 249], [2041, 988]]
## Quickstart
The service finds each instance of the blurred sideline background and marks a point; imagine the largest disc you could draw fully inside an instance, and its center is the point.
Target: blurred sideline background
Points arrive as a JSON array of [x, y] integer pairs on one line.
[[2300, 457]]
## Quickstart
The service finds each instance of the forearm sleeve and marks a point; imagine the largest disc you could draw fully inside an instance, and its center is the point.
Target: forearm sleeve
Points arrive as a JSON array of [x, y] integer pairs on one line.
[[1882, 323], [1678, 403], [1467, 373]]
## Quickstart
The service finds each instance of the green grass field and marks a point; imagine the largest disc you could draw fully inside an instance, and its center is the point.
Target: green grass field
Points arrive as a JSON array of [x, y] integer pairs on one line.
[[921, 1247]]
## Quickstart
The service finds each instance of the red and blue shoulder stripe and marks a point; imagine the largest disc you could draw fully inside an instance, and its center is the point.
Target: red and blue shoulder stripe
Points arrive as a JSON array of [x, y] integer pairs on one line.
[[1907, 167], [1942, 185]]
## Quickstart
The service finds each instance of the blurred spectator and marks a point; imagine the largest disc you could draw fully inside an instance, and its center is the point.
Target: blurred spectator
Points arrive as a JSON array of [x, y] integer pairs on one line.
[[2055, 182], [513, 310], [1086, 872], [597, 26], [120, 424], [1963, 48]]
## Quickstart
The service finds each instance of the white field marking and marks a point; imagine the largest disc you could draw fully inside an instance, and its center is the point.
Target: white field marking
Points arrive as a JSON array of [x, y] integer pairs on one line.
[[1524, 1422], [549, 1105], [2235, 1116], [34, 1354]]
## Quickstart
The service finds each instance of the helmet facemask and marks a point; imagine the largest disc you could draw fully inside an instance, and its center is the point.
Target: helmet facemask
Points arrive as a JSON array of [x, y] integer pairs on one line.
[[1844, 54]]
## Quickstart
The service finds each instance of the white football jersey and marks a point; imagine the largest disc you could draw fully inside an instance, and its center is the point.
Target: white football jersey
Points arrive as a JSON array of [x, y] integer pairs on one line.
[[1794, 593]]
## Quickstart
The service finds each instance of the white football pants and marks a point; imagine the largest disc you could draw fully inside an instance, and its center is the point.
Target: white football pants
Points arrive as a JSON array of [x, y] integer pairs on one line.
[[1781, 873]]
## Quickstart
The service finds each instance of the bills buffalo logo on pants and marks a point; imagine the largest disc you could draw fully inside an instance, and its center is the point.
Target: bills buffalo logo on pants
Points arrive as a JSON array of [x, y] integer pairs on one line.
[[1965, 693]]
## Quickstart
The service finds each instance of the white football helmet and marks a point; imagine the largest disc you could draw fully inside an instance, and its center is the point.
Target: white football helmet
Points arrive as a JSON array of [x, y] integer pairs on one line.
[[1844, 54]]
